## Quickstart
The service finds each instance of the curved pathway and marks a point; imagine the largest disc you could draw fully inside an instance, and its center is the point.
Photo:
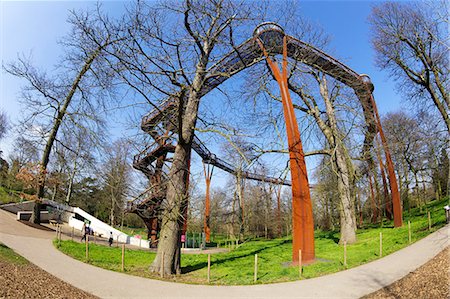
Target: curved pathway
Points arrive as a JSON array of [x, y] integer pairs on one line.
[[36, 246]]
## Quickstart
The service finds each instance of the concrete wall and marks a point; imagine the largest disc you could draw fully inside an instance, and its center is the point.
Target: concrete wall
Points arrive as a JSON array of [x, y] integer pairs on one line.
[[67, 214]]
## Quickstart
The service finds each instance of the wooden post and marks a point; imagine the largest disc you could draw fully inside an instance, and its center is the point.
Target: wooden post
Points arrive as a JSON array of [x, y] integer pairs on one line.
[[73, 232], [300, 263], [123, 257], [409, 231], [87, 247], [255, 278], [381, 244], [345, 254], [117, 241], [429, 221], [209, 268], [162, 265], [237, 243]]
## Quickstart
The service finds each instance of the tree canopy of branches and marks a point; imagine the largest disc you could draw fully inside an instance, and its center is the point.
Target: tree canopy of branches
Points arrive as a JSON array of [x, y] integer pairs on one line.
[[411, 40], [73, 93]]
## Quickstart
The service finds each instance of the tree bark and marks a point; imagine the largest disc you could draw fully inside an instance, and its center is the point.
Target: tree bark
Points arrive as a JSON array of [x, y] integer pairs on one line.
[[172, 218]]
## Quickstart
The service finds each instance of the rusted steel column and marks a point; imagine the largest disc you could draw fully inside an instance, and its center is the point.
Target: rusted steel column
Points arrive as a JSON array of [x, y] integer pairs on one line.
[[398, 217], [154, 232], [387, 200], [185, 208], [208, 172], [302, 216]]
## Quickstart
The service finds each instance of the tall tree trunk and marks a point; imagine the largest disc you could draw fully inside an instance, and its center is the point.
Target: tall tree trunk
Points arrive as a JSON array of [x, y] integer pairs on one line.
[[54, 131], [346, 202], [174, 206]]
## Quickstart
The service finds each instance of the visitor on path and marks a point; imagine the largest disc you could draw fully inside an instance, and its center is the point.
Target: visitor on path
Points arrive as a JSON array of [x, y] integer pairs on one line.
[[447, 213], [86, 231], [110, 240], [183, 241]]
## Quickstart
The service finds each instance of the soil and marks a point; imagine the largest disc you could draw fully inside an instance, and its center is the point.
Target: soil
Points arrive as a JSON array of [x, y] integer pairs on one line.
[[431, 280], [30, 281]]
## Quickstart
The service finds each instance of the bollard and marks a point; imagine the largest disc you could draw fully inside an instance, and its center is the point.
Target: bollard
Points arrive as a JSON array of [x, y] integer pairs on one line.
[[345, 254], [209, 268], [255, 278], [381, 244], [429, 221], [162, 265], [409, 231], [123, 257], [300, 263]]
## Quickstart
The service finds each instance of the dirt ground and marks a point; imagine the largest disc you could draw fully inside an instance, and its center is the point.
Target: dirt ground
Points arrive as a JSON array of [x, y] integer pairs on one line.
[[431, 281], [29, 281]]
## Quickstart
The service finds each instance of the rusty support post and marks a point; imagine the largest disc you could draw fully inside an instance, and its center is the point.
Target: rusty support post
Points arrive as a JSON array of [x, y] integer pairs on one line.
[[208, 172], [302, 217], [185, 208], [387, 199], [398, 218]]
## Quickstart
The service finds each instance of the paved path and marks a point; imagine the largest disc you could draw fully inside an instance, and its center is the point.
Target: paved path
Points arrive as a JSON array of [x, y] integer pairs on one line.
[[36, 246]]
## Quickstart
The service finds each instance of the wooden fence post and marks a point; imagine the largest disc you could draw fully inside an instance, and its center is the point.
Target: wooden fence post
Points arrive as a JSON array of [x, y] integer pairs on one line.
[[429, 221], [123, 257], [345, 254], [381, 244], [300, 263], [255, 278], [409, 231], [87, 247], [209, 268]]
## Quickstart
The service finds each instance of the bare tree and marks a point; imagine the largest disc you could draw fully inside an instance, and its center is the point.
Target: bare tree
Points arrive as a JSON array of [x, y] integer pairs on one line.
[[411, 42], [116, 174], [70, 91]]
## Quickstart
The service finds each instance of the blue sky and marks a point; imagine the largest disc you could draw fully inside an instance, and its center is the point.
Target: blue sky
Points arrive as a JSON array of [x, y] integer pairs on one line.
[[33, 28]]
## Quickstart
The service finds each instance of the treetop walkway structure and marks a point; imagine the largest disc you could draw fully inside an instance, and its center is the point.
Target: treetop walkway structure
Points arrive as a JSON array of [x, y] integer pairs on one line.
[[268, 40]]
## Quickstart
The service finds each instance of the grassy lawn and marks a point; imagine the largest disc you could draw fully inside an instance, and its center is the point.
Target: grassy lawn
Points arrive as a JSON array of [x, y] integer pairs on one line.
[[8, 197], [274, 256], [9, 256]]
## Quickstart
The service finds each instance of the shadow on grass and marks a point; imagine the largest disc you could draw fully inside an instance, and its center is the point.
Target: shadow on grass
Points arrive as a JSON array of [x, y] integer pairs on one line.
[[232, 257]]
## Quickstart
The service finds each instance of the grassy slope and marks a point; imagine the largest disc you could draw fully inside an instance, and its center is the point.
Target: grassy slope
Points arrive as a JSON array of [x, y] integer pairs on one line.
[[9, 256], [236, 267], [8, 196]]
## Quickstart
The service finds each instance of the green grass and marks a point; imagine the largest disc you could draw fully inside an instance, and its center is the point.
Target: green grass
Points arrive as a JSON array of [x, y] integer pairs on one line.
[[7, 196], [9, 256], [274, 256]]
